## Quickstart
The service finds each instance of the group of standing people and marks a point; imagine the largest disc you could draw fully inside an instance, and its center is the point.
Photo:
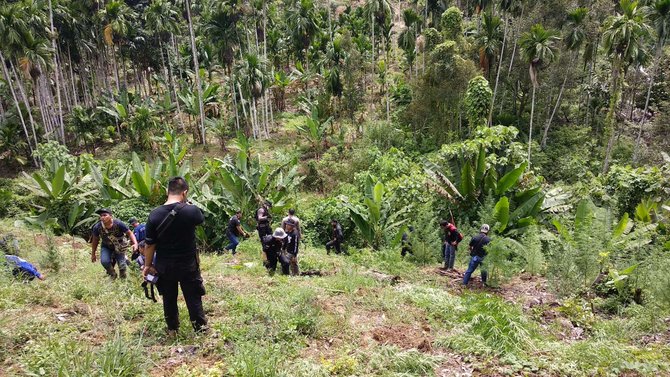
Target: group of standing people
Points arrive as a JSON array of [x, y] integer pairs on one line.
[[477, 248]]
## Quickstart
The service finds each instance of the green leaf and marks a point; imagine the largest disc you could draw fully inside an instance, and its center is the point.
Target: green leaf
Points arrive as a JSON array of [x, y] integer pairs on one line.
[[140, 185], [467, 180], [526, 208], [58, 181], [510, 179], [621, 226], [378, 192], [584, 212], [501, 213], [481, 165]]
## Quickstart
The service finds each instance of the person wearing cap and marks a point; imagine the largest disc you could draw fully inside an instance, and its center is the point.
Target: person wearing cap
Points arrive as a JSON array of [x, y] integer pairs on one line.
[[336, 238], [264, 219], [452, 237], [477, 253], [273, 244], [115, 236], [234, 231], [291, 216], [292, 243], [139, 230], [171, 238]]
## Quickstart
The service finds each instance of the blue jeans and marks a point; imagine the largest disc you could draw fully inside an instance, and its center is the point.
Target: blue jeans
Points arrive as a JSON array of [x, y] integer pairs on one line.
[[106, 256], [475, 261], [234, 241], [449, 253]]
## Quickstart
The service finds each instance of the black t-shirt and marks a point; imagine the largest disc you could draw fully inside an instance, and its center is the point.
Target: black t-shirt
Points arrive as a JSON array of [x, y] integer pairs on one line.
[[112, 237], [233, 223], [478, 243], [179, 238], [337, 233], [292, 242]]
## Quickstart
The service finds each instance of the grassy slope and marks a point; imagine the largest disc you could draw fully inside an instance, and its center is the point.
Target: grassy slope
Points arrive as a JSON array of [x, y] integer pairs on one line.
[[344, 323]]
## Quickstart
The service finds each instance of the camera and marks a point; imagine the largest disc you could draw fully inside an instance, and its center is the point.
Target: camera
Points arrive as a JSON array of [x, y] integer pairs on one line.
[[153, 279]]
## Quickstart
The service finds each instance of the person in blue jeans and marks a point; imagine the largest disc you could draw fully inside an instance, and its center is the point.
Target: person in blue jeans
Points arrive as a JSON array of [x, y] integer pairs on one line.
[[477, 253], [116, 239], [452, 237], [234, 231]]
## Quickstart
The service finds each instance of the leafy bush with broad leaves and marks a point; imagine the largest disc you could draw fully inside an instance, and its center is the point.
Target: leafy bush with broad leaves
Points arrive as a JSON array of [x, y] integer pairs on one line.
[[317, 222], [630, 185]]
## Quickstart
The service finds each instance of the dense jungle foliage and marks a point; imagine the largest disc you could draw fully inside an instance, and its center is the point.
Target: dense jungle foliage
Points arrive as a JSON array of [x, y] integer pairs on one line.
[[548, 120]]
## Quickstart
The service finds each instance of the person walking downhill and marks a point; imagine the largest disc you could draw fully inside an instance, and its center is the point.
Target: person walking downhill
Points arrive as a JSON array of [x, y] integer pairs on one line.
[[477, 253], [115, 237], [452, 237], [336, 238], [171, 239], [264, 220], [292, 244], [234, 231]]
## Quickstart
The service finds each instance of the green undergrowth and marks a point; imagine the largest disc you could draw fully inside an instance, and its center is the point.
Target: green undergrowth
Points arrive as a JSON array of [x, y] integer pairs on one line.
[[343, 323]]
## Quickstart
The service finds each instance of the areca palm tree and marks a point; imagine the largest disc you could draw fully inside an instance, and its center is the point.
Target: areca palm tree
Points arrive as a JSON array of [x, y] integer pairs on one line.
[[574, 39], [117, 18], [488, 38], [624, 40], [539, 48], [302, 21], [196, 67], [380, 13], [660, 18], [407, 38]]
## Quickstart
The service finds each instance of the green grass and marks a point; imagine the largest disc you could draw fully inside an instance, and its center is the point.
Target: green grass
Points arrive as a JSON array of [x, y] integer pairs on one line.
[[79, 323]]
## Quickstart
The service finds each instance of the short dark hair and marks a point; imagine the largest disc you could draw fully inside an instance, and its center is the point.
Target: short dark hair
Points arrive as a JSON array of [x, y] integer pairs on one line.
[[177, 185], [238, 211], [443, 222], [291, 211]]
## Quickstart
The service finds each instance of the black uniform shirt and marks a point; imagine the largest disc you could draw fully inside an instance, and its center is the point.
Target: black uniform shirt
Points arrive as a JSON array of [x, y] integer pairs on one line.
[[179, 238]]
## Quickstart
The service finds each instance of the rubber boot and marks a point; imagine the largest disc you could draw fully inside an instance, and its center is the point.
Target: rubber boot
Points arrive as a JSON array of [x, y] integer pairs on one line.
[[111, 272], [122, 273]]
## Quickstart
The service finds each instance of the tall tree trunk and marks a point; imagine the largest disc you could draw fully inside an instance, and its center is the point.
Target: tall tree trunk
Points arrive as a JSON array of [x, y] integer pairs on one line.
[[116, 71], [8, 79], [197, 72], [530, 127], [495, 87], [553, 112], [55, 59], [657, 62], [610, 120], [22, 91]]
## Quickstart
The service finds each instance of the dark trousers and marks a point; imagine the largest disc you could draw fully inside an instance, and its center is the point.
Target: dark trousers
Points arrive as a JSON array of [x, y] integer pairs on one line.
[[334, 244], [271, 263], [184, 272], [449, 253]]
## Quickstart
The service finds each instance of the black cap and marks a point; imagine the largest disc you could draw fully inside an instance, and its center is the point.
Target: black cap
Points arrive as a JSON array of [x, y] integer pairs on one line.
[[268, 203], [103, 210], [132, 221]]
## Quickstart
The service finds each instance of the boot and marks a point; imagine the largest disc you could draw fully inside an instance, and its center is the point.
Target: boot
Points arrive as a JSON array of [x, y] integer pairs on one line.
[[111, 272], [122, 273]]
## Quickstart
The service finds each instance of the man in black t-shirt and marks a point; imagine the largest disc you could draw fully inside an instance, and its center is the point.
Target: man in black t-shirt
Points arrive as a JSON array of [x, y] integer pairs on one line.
[[478, 252], [336, 238], [116, 240], [234, 231], [171, 236]]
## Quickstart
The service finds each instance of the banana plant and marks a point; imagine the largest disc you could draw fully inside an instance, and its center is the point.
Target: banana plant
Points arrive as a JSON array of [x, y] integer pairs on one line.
[[147, 179], [375, 217], [56, 183], [109, 188], [314, 130]]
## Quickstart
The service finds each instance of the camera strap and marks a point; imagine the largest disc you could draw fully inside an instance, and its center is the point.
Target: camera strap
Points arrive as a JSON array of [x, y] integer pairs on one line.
[[169, 218]]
